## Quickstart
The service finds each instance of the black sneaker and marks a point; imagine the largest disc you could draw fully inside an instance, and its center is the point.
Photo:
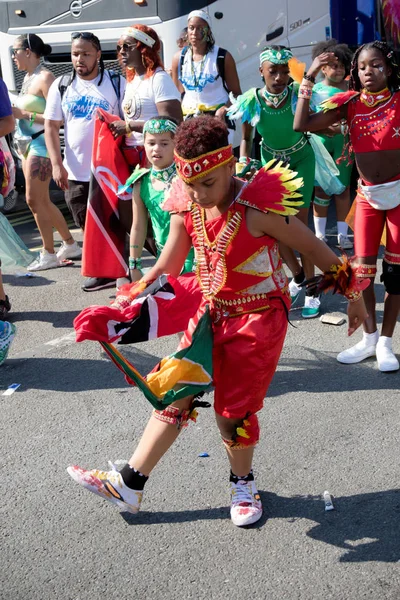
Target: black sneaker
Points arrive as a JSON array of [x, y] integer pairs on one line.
[[97, 283], [5, 307]]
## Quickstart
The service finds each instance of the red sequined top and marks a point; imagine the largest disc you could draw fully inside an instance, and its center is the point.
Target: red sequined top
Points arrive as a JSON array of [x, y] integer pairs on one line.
[[237, 272], [377, 128]]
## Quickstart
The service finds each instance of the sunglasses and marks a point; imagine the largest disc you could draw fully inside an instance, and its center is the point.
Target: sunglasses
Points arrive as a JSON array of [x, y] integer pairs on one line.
[[125, 48], [15, 50], [86, 35]]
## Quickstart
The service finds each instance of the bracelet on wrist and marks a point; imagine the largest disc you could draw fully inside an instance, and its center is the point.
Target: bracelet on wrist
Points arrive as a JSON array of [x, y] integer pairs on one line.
[[309, 77], [32, 120], [305, 93], [128, 129], [135, 263], [353, 295]]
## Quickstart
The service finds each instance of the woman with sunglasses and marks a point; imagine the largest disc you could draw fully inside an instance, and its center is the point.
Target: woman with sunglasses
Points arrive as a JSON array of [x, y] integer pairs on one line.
[[31, 146], [150, 91]]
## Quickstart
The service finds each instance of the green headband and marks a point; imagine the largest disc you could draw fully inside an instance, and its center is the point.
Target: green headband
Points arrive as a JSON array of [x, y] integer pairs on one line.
[[277, 57], [159, 126]]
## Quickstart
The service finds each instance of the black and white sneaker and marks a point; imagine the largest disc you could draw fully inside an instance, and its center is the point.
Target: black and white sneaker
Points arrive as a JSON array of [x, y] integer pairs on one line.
[[93, 284]]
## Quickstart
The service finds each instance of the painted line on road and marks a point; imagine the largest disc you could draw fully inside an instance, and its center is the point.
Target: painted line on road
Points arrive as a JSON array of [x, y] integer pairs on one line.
[[60, 342]]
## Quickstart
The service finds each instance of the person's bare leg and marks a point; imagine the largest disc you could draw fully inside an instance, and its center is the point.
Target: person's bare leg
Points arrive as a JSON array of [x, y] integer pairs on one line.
[[240, 460], [37, 172], [369, 324], [308, 265], [157, 438], [289, 257], [343, 203]]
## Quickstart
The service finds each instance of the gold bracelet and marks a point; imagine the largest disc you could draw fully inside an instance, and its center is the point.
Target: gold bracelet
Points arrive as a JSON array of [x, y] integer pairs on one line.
[[128, 129]]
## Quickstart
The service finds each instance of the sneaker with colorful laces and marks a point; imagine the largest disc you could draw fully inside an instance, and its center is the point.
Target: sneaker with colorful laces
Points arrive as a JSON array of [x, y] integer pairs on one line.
[[108, 485], [246, 507], [6, 337], [311, 308], [294, 291]]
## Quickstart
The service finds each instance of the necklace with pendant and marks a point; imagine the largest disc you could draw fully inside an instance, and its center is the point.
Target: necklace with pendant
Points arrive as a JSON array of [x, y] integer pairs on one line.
[[197, 74], [371, 99], [275, 99], [28, 80], [164, 175]]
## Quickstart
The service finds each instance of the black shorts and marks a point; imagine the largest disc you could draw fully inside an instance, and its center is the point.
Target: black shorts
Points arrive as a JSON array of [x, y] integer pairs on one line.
[[76, 198]]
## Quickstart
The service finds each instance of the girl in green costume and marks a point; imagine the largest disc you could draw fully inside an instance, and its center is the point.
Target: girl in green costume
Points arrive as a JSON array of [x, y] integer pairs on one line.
[[271, 110], [149, 187], [334, 81]]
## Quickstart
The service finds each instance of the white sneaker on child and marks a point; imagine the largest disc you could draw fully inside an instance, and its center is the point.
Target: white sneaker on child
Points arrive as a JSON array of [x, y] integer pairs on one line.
[[385, 356], [68, 251], [344, 242], [45, 261], [108, 485], [361, 351], [246, 507], [294, 291]]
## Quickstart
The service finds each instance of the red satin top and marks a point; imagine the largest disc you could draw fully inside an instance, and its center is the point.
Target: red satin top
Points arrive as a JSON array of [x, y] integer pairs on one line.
[[237, 272], [377, 128]]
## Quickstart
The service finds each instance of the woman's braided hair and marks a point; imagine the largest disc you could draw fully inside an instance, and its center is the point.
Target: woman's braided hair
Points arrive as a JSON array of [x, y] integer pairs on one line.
[[389, 56]]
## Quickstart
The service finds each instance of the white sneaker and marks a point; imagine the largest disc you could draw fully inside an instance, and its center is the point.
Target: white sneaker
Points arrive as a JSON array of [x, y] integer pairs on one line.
[[323, 238], [69, 251], [108, 485], [294, 291], [246, 507], [344, 242], [312, 307], [361, 351], [44, 262], [387, 361]]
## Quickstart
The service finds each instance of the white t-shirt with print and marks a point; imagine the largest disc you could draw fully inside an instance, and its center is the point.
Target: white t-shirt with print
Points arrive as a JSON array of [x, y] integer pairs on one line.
[[141, 97], [77, 110]]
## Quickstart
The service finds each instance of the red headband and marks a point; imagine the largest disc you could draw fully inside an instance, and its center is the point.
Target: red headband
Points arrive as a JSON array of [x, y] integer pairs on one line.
[[190, 169]]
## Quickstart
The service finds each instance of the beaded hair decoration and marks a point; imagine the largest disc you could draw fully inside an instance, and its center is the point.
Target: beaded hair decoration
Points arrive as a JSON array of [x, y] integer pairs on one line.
[[277, 57], [154, 126], [190, 169]]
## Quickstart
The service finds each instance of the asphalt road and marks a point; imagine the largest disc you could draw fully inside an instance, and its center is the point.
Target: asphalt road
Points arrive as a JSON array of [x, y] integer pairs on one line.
[[325, 426]]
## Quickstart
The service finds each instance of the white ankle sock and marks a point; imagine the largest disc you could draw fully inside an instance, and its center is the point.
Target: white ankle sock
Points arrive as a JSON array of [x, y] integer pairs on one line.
[[370, 338], [342, 228], [320, 226]]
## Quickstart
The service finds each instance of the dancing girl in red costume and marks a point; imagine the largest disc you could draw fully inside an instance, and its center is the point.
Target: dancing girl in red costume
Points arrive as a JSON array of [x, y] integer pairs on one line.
[[235, 229], [372, 110]]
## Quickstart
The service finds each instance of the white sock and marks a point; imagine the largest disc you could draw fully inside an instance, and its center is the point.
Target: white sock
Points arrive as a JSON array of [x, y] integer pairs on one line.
[[342, 228], [320, 226], [371, 338]]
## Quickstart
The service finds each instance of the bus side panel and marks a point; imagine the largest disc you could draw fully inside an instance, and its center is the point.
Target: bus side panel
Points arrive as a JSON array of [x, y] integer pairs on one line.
[[309, 22], [244, 31]]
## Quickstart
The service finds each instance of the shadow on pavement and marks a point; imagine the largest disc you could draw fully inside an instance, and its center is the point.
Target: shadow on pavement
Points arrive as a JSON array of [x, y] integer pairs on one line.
[[35, 281], [57, 319], [366, 526], [328, 375]]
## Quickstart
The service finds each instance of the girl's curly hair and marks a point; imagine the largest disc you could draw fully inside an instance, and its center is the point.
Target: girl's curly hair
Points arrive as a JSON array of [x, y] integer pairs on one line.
[[150, 56], [341, 51], [389, 57], [200, 135]]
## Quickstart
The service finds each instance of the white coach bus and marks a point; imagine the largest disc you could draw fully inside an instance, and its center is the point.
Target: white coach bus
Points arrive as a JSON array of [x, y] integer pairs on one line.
[[244, 27]]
